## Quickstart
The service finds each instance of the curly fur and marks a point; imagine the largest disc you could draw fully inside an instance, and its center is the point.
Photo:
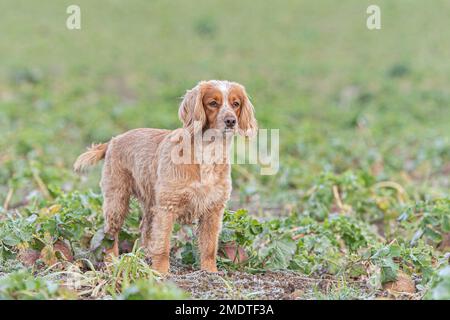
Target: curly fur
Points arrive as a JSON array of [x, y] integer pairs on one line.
[[138, 163], [94, 154]]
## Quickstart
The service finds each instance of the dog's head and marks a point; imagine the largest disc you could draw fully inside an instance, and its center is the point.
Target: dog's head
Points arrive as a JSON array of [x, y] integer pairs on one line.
[[220, 105]]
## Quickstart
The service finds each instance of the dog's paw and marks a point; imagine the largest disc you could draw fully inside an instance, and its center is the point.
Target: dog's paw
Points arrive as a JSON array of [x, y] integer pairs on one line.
[[160, 265], [210, 268]]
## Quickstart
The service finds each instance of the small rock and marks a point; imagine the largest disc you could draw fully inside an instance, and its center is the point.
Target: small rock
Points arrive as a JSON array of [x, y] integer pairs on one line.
[[297, 294], [404, 284]]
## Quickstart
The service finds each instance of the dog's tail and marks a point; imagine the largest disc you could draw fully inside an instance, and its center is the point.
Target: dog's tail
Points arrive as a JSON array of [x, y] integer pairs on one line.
[[94, 154]]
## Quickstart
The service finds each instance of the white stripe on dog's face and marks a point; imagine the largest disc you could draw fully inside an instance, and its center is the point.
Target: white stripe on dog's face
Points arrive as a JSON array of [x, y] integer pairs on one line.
[[224, 88]]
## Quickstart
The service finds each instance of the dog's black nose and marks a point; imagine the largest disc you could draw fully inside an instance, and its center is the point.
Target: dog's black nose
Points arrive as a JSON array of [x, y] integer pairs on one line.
[[230, 122]]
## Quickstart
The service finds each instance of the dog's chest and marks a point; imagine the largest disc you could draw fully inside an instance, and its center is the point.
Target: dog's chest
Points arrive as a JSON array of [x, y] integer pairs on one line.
[[212, 189], [209, 175]]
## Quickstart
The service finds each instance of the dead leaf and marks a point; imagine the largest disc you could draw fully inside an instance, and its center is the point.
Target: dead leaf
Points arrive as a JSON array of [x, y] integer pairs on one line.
[[125, 246], [64, 250], [50, 211], [48, 255], [234, 252], [444, 245], [28, 256]]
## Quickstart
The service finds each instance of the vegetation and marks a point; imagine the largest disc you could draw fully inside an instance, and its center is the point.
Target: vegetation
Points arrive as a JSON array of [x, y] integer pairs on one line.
[[360, 208]]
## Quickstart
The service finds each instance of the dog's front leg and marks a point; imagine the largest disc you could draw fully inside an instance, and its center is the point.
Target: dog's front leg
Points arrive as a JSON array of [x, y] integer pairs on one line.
[[162, 225], [208, 233]]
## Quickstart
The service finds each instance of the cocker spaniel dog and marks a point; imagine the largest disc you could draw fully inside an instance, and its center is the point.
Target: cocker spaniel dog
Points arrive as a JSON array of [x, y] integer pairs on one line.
[[145, 163]]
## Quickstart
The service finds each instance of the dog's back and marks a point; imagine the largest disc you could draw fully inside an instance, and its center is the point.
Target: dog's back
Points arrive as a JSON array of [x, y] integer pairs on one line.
[[130, 161], [130, 149]]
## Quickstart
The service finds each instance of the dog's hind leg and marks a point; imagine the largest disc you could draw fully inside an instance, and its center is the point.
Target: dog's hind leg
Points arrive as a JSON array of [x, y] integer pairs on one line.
[[146, 227], [116, 189]]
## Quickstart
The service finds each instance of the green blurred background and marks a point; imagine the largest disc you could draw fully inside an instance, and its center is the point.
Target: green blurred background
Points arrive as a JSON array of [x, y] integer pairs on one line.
[[344, 97]]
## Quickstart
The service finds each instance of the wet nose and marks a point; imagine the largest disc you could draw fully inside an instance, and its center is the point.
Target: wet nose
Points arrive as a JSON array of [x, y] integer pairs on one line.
[[230, 122]]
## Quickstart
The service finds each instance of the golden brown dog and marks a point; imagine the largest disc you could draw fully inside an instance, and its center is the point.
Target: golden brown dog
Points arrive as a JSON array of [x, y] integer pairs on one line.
[[144, 163]]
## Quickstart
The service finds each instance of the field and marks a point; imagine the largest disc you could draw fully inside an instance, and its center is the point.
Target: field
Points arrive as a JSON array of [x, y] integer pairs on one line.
[[360, 206]]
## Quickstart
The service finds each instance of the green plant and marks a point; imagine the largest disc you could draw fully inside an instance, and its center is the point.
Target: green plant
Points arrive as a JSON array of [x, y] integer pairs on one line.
[[127, 269], [429, 219], [22, 285], [147, 290], [441, 286]]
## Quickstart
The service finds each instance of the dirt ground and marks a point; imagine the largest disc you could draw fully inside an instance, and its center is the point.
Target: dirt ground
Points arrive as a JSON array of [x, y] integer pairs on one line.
[[284, 285], [274, 285]]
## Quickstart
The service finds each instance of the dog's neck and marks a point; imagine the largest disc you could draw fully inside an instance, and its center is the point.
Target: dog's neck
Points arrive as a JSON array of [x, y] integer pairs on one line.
[[202, 149], [213, 151]]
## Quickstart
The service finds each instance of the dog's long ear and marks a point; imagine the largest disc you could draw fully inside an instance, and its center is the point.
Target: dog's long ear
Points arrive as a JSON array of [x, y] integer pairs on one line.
[[191, 108], [247, 122]]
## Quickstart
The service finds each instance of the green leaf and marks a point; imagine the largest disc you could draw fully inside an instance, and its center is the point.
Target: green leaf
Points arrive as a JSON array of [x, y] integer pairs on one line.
[[280, 253], [432, 234], [97, 239], [446, 223], [394, 250], [388, 270]]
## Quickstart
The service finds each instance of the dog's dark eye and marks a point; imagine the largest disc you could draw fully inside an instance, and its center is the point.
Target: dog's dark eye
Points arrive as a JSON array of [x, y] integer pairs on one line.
[[236, 104], [213, 104]]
